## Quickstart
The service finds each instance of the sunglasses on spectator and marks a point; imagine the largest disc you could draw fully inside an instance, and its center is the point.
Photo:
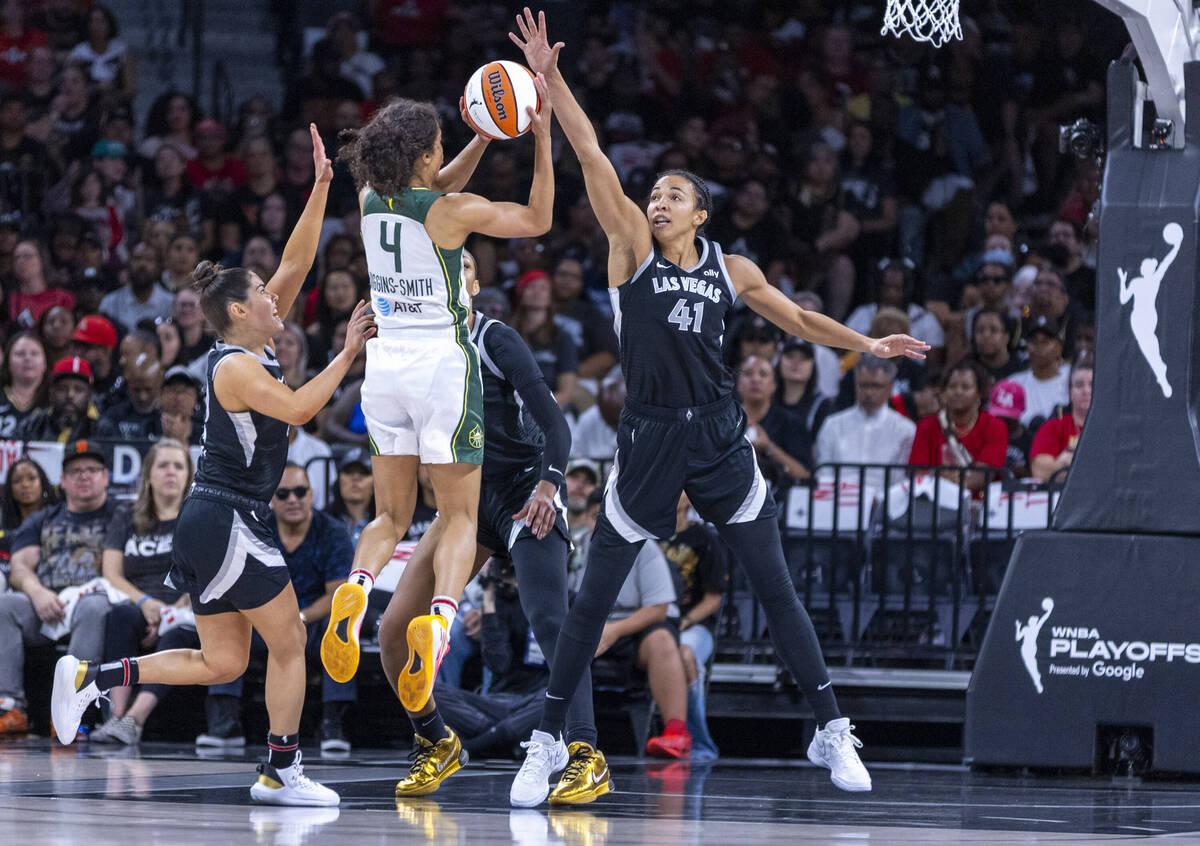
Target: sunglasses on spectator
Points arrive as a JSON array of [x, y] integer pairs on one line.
[[300, 491]]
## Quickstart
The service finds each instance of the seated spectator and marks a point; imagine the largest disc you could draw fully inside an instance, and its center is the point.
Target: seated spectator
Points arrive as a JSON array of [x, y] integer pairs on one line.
[[170, 121], [138, 417], [214, 171], [183, 253], [108, 59], [426, 507], [1078, 277], [196, 341], [796, 380], [70, 414], [344, 422], [594, 434], [896, 291], [754, 335], [357, 65], [33, 295], [21, 152], [315, 456], [291, 351], [26, 489], [746, 227], [137, 556], [1054, 445], [92, 201], [701, 563], [170, 342], [553, 348], [339, 295], [1045, 381], [169, 194], [869, 432], [962, 434], [95, 341], [590, 329], [1007, 403], [1051, 300], [141, 297], [994, 281], [583, 476], [55, 328], [991, 344], [23, 378], [181, 414], [781, 442], [318, 553], [910, 392], [828, 364], [314, 98], [353, 500], [18, 40], [239, 216], [56, 548]]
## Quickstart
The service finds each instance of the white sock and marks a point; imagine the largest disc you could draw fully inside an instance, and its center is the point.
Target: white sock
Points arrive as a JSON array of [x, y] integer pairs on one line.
[[445, 607], [362, 577]]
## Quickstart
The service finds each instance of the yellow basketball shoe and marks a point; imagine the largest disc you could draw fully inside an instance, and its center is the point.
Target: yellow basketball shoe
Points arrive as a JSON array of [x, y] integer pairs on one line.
[[578, 828], [426, 818], [339, 646], [432, 764], [428, 643], [585, 779]]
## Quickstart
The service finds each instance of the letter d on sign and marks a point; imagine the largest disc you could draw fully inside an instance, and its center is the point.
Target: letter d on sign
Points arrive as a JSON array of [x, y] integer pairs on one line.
[[127, 464]]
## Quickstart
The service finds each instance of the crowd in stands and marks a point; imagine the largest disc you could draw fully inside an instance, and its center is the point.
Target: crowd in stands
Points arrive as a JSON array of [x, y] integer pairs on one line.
[[894, 187]]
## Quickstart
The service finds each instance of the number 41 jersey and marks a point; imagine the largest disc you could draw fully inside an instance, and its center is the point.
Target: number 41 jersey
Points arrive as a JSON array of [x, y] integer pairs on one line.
[[671, 324], [414, 283]]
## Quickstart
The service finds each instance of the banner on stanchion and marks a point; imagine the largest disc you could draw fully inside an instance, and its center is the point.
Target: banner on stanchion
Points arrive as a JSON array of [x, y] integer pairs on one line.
[[851, 501], [125, 458]]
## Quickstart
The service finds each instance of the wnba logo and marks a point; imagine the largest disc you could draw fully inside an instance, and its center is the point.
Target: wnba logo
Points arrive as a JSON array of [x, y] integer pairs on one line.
[[496, 81], [383, 307]]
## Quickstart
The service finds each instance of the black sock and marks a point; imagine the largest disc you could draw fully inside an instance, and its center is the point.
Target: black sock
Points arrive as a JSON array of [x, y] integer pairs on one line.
[[430, 726], [122, 673], [282, 749]]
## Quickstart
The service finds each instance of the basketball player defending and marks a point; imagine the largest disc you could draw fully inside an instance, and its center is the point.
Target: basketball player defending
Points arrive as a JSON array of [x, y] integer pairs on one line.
[[521, 513], [681, 429], [422, 396], [224, 555]]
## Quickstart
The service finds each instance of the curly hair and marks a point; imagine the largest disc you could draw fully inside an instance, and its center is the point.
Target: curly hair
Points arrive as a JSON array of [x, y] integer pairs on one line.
[[382, 154]]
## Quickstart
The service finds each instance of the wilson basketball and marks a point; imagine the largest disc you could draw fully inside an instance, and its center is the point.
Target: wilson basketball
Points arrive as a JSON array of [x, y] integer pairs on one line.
[[496, 97]]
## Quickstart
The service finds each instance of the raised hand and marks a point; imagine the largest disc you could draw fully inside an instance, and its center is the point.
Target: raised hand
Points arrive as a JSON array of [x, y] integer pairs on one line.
[[540, 119], [894, 345], [539, 55], [322, 166], [360, 328]]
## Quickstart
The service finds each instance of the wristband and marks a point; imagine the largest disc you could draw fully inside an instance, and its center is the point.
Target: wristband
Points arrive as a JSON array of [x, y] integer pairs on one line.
[[145, 596]]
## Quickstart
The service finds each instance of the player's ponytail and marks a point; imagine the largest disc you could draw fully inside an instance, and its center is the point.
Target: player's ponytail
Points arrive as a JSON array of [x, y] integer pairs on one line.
[[384, 152], [218, 287]]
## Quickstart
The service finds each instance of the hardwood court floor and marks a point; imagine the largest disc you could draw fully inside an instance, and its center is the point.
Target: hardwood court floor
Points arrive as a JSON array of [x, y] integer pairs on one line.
[[164, 794]]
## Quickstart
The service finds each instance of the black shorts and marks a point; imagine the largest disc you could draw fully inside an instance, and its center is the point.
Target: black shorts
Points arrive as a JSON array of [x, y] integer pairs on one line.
[[224, 555], [618, 665], [500, 499], [662, 452]]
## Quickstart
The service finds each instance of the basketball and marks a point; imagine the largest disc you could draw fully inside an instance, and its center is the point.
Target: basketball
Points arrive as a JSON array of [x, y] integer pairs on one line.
[[496, 96]]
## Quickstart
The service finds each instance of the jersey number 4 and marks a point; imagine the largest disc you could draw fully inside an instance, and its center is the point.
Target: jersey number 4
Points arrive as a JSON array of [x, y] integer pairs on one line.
[[392, 246], [685, 318]]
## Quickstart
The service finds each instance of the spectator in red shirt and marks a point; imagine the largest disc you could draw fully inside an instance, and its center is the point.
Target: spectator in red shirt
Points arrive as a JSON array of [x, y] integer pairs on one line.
[[33, 295], [213, 170], [16, 42], [1054, 445], [962, 434]]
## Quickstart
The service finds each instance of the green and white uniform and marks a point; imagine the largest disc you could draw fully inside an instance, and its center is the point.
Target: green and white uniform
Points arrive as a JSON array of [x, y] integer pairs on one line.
[[422, 393]]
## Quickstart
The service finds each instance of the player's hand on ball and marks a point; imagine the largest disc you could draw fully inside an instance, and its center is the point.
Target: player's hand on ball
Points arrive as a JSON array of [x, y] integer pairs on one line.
[[323, 167], [894, 345], [360, 329], [540, 120], [539, 55]]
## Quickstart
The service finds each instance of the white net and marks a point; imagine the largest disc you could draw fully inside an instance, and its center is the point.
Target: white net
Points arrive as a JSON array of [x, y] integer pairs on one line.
[[935, 21]]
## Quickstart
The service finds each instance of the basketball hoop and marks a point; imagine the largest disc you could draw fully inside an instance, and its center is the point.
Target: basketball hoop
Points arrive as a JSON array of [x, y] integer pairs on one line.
[[935, 21]]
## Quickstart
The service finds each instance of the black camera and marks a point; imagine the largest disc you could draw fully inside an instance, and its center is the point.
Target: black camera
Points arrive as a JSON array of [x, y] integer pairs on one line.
[[1082, 138]]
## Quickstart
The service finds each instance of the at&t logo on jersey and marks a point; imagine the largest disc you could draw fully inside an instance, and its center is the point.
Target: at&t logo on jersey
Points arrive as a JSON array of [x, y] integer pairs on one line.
[[383, 306]]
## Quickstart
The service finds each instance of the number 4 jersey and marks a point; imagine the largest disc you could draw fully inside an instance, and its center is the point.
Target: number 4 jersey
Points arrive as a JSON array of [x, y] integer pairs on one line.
[[414, 283], [671, 324]]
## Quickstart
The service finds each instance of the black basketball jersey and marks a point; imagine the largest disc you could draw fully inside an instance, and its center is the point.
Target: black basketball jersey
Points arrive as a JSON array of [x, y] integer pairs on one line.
[[671, 323], [512, 438], [242, 451]]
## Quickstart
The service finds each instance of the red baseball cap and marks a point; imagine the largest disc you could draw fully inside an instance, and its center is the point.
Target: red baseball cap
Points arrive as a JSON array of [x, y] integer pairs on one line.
[[94, 329], [1008, 400], [72, 365], [527, 277]]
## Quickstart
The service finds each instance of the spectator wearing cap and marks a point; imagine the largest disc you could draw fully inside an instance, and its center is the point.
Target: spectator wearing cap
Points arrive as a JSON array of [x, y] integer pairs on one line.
[[796, 381], [896, 280], [214, 171], [33, 295], [71, 414], [141, 297], [56, 548], [138, 416], [553, 349], [108, 59], [353, 500], [991, 343], [780, 439], [870, 431], [590, 329], [594, 432], [23, 379], [110, 158], [1054, 445], [181, 414], [582, 477], [961, 434], [95, 339], [1007, 403], [1047, 378]]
